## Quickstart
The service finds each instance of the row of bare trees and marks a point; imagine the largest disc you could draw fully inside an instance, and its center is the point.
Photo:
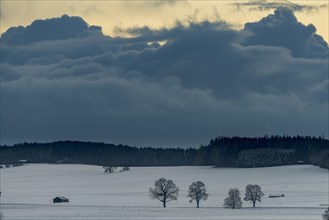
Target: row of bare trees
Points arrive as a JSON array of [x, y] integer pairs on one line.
[[112, 169], [165, 190], [253, 194]]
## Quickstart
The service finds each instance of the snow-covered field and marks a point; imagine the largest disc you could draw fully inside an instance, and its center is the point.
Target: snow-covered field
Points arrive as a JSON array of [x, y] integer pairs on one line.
[[27, 192]]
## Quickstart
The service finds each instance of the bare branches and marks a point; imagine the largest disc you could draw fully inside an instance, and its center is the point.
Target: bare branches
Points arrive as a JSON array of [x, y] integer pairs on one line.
[[233, 200], [164, 190], [197, 191], [253, 194]]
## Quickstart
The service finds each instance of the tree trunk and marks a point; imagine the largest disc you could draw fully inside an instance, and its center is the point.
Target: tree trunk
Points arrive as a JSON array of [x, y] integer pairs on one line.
[[164, 204], [197, 204], [254, 204]]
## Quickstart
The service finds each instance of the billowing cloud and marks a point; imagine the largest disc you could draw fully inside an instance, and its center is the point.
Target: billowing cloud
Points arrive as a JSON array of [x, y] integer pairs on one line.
[[205, 80], [281, 30], [61, 28]]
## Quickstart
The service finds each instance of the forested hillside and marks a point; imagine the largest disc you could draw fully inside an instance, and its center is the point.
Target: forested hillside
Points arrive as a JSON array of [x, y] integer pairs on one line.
[[221, 152], [267, 151]]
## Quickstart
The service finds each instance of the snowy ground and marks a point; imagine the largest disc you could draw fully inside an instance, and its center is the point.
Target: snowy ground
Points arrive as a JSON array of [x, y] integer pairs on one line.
[[27, 192]]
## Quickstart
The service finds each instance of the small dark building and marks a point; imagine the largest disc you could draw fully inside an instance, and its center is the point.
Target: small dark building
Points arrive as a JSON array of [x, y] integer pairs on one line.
[[275, 195], [59, 199]]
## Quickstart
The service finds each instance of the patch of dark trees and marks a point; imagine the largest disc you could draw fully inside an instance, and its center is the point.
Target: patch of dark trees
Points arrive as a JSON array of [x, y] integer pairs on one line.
[[222, 152]]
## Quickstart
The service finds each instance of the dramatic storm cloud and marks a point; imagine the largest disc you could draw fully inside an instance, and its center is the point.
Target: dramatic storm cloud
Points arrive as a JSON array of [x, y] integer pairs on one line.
[[63, 79]]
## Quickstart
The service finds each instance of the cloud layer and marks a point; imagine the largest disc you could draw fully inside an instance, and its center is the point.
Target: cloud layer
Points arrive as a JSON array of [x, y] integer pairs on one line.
[[264, 5], [63, 79]]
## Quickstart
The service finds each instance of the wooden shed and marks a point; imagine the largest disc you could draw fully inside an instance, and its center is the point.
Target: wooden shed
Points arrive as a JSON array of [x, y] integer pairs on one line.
[[59, 199], [276, 195]]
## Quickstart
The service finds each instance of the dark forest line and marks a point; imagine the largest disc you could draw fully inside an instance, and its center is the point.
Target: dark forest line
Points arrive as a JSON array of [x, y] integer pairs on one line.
[[221, 151]]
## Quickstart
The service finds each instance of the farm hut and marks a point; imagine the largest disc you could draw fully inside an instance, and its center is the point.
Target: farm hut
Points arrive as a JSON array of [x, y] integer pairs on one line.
[[59, 199], [275, 195]]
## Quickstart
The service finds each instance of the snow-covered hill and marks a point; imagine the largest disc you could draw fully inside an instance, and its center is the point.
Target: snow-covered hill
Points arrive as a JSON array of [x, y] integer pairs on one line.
[[27, 192]]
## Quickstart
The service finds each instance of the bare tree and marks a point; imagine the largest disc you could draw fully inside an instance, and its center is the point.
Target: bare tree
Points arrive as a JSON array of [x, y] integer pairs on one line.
[[233, 200], [325, 215], [109, 169], [125, 169], [197, 191], [253, 194], [164, 190]]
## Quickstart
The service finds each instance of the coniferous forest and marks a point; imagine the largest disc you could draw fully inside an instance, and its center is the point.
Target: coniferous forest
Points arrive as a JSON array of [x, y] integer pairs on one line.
[[221, 152]]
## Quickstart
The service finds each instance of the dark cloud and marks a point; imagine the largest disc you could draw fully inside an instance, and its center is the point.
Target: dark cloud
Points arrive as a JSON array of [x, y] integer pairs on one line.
[[61, 28], [264, 5], [206, 80], [281, 29]]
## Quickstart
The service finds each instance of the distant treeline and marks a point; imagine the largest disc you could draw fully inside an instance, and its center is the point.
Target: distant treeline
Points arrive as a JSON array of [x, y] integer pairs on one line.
[[221, 152]]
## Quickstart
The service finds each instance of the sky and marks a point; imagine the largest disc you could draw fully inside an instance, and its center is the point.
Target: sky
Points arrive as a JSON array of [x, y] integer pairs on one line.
[[162, 73], [159, 13]]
